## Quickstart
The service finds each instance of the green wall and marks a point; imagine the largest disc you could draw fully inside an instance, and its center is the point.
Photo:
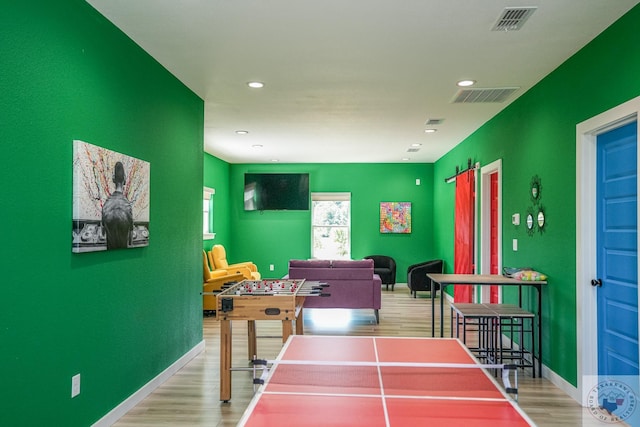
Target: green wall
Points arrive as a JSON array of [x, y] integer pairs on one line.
[[275, 237], [536, 135], [121, 317]]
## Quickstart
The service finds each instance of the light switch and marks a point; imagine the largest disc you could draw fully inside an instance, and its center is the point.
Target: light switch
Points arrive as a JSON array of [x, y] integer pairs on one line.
[[515, 219], [515, 245], [75, 385]]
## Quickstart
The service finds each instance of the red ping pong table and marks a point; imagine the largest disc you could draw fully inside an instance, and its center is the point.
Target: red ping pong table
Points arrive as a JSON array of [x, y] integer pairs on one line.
[[379, 381]]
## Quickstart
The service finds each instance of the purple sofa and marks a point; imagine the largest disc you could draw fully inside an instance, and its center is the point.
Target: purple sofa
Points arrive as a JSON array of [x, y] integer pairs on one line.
[[353, 284]]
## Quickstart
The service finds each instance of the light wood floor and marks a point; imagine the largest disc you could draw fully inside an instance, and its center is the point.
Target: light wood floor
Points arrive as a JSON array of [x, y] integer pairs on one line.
[[191, 397]]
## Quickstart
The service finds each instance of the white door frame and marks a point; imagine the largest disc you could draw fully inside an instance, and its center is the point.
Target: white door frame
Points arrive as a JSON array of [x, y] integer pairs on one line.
[[586, 249], [485, 227]]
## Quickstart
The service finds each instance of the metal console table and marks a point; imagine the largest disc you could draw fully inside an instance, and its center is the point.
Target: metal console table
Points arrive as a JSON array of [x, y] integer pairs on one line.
[[445, 280]]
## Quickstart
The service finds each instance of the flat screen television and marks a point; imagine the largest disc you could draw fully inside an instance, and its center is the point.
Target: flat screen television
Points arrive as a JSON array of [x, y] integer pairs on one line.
[[276, 191]]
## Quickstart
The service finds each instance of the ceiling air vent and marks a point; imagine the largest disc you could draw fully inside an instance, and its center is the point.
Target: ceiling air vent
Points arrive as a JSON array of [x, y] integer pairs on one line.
[[513, 18], [413, 150], [434, 122], [468, 96]]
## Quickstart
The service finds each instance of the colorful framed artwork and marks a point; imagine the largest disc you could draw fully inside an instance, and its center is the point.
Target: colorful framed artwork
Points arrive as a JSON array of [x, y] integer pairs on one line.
[[110, 199], [395, 217]]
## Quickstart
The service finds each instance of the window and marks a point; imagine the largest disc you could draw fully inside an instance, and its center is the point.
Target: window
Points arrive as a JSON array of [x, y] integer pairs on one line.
[[207, 213], [331, 225]]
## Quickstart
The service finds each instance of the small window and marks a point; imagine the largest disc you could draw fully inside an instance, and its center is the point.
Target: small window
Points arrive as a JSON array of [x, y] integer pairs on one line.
[[331, 225], [207, 214]]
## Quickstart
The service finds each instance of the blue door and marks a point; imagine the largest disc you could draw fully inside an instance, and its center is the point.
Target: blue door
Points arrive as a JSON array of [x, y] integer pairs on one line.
[[617, 263]]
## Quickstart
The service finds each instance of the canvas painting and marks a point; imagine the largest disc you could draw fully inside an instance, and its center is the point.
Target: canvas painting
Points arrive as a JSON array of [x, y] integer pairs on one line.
[[110, 199], [395, 217]]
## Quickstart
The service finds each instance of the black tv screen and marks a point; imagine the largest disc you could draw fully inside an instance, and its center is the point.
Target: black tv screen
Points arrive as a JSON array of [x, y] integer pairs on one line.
[[276, 191]]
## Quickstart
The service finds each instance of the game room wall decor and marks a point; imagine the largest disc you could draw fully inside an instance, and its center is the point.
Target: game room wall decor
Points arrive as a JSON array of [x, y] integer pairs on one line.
[[395, 217], [110, 199]]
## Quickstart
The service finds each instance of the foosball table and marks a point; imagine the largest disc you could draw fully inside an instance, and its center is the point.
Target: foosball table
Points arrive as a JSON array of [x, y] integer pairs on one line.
[[267, 299]]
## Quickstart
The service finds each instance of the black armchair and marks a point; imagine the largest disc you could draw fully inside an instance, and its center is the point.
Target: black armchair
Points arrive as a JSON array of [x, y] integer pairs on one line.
[[385, 267], [417, 279]]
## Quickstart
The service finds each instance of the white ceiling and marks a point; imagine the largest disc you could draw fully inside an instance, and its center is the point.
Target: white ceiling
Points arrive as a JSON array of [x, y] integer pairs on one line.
[[351, 80]]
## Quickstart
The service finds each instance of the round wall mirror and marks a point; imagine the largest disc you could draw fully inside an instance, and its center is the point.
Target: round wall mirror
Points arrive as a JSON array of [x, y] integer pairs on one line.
[[536, 189], [540, 219], [529, 221]]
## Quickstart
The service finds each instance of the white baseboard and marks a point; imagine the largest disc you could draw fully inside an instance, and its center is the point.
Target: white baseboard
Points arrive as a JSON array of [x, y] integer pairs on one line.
[[562, 384], [547, 373], [116, 413]]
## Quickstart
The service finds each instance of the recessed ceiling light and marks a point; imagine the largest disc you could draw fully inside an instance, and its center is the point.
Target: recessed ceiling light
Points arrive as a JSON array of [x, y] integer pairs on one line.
[[257, 145], [255, 85], [405, 159], [430, 130], [466, 83], [275, 160], [416, 145], [242, 132]]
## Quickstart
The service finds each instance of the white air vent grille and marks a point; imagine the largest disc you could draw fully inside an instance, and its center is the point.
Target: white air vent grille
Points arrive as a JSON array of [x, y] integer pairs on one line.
[[413, 150], [513, 18], [467, 96], [434, 122]]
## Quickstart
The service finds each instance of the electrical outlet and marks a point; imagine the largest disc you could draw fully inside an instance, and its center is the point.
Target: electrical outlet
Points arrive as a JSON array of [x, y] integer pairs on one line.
[[75, 385], [515, 244], [271, 267]]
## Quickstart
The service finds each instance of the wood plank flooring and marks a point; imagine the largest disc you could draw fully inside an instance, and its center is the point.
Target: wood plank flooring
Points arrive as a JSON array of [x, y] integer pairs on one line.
[[191, 396]]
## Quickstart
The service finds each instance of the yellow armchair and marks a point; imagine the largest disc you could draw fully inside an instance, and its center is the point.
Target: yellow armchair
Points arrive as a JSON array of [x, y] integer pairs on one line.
[[213, 281], [218, 259]]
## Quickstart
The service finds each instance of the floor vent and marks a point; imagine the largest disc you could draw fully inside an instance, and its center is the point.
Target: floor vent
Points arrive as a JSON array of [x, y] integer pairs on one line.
[[468, 96], [513, 18]]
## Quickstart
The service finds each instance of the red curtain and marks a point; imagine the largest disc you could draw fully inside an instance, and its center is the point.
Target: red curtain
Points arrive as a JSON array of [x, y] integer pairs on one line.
[[494, 296], [463, 246]]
